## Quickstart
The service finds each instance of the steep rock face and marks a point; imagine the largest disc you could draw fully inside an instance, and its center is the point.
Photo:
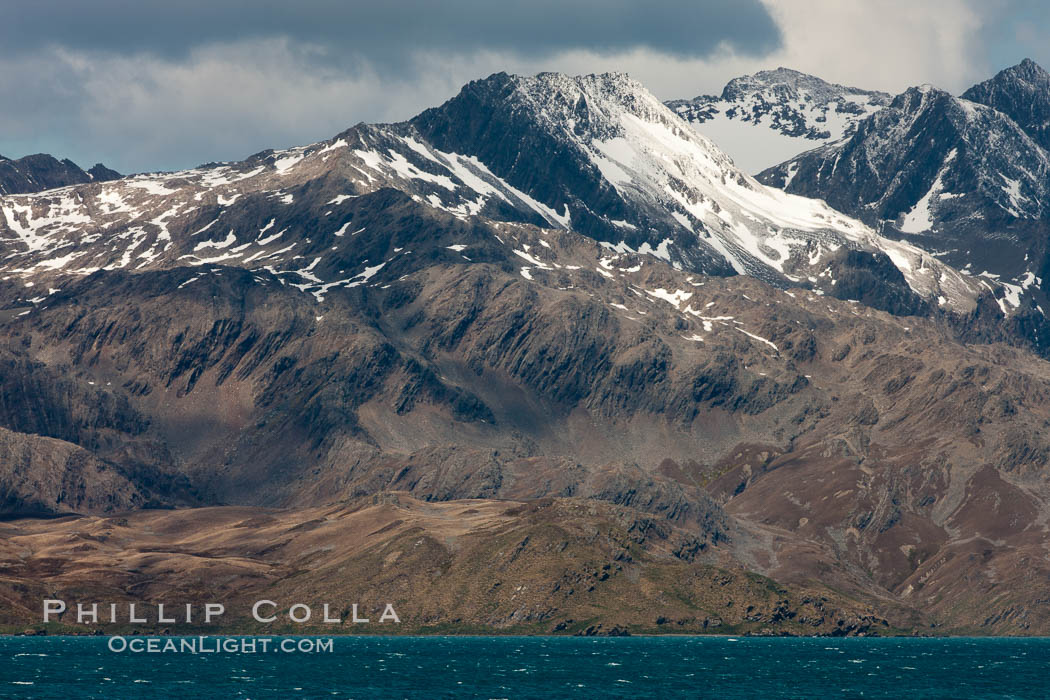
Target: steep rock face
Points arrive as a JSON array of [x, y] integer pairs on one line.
[[873, 280], [45, 476], [958, 178], [1021, 92], [40, 172], [100, 173], [927, 152], [624, 169], [764, 119]]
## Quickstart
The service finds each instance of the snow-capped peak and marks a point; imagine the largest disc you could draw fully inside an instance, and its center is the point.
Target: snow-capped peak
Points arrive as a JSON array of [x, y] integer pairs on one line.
[[598, 154], [959, 176], [765, 118], [1021, 92], [643, 177]]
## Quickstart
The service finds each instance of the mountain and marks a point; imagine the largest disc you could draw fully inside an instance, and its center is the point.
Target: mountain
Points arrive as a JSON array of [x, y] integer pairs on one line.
[[524, 295], [1022, 93], [764, 119], [596, 154], [959, 179], [44, 172]]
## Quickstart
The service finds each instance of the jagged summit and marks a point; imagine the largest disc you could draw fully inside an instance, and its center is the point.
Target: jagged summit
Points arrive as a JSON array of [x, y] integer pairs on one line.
[[41, 171], [595, 154], [603, 155], [585, 104], [1027, 71], [769, 116], [927, 140], [100, 173], [959, 176], [916, 100], [790, 81], [1022, 92]]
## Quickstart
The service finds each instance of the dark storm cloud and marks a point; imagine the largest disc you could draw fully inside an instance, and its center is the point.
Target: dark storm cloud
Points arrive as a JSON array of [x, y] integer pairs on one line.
[[388, 29], [148, 84]]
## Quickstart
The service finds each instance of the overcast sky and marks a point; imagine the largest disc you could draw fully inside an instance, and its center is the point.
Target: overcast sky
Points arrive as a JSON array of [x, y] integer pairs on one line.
[[150, 85]]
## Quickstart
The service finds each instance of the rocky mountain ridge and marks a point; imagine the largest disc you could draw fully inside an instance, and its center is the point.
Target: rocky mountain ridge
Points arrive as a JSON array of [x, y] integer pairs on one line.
[[1021, 92], [956, 177], [595, 154], [770, 116], [41, 171]]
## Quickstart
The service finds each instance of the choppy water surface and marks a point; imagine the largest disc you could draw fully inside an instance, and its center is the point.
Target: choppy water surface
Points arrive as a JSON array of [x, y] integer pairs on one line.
[[540, 667]]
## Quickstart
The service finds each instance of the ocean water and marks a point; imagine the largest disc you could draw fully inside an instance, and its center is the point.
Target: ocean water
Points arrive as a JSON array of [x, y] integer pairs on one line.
[[539, 667]]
